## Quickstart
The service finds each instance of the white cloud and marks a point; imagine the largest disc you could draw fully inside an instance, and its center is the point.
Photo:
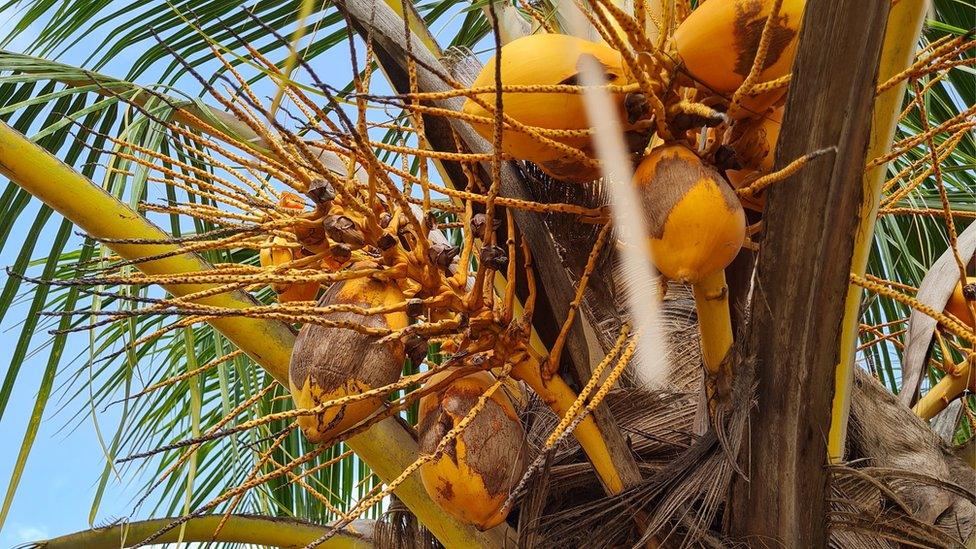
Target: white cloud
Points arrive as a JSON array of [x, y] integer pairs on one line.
[[32, 533]]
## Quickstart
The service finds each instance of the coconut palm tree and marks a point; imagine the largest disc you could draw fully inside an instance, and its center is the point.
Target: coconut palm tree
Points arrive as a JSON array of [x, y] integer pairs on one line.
[[158, 108]]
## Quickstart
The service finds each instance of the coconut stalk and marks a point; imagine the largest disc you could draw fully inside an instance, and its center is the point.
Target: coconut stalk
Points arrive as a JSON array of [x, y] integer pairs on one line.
[[386, 447], [714, 323], [901, 36], [935, 291], [952, 384], [810, 223], [245, 529]]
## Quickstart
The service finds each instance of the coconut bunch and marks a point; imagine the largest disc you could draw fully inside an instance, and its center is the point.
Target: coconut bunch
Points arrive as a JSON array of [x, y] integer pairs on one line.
[[699, 106], [349, 258], [714, 81], [354, 251]]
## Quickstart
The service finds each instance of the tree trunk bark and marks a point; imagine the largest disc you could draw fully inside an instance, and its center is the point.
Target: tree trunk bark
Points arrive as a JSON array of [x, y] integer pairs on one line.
[[803, 275]]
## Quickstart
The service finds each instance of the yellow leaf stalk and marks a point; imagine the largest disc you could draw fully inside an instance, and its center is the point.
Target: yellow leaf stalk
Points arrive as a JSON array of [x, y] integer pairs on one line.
[[238, 529], [901, 35], [560, 398]]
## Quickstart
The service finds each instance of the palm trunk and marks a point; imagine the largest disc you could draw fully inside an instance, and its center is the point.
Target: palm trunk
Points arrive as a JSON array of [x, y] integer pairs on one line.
[[803, 274]]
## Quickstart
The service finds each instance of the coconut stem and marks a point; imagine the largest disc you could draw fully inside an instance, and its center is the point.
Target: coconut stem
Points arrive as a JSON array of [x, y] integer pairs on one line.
[[947, 389], [560, 397], [714, 321]]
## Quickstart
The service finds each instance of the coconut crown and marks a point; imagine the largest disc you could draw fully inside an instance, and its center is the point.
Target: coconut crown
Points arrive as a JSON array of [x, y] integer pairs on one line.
[[695, 222]]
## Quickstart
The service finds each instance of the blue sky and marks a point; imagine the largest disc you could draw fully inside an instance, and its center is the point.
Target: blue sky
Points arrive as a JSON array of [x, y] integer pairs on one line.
[[56, 491]]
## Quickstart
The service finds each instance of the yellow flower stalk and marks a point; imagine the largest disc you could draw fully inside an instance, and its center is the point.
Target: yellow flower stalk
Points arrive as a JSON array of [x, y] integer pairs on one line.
[[901, 35]]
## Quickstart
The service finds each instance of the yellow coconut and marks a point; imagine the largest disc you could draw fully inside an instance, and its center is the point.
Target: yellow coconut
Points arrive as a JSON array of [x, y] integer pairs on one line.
[[329, 362], [717, 42], [754, 143], [754, 140], [962, 296], [547, 59], [695, 221], [473, 477], [278, 252]]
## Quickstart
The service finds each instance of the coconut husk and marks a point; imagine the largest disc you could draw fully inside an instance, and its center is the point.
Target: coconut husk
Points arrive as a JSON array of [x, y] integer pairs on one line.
[[574, 244]]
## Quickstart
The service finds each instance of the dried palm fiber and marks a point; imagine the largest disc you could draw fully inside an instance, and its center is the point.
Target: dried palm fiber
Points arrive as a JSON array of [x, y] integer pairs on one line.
[[679, 320], [600, 306], [657, 422], [398, 528], [686, 479], [911, 460], [682, 499]]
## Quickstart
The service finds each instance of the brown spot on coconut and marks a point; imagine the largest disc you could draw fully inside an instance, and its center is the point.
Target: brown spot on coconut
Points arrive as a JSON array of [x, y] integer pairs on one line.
[[750, 18], [485, 462], [330, 362]]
